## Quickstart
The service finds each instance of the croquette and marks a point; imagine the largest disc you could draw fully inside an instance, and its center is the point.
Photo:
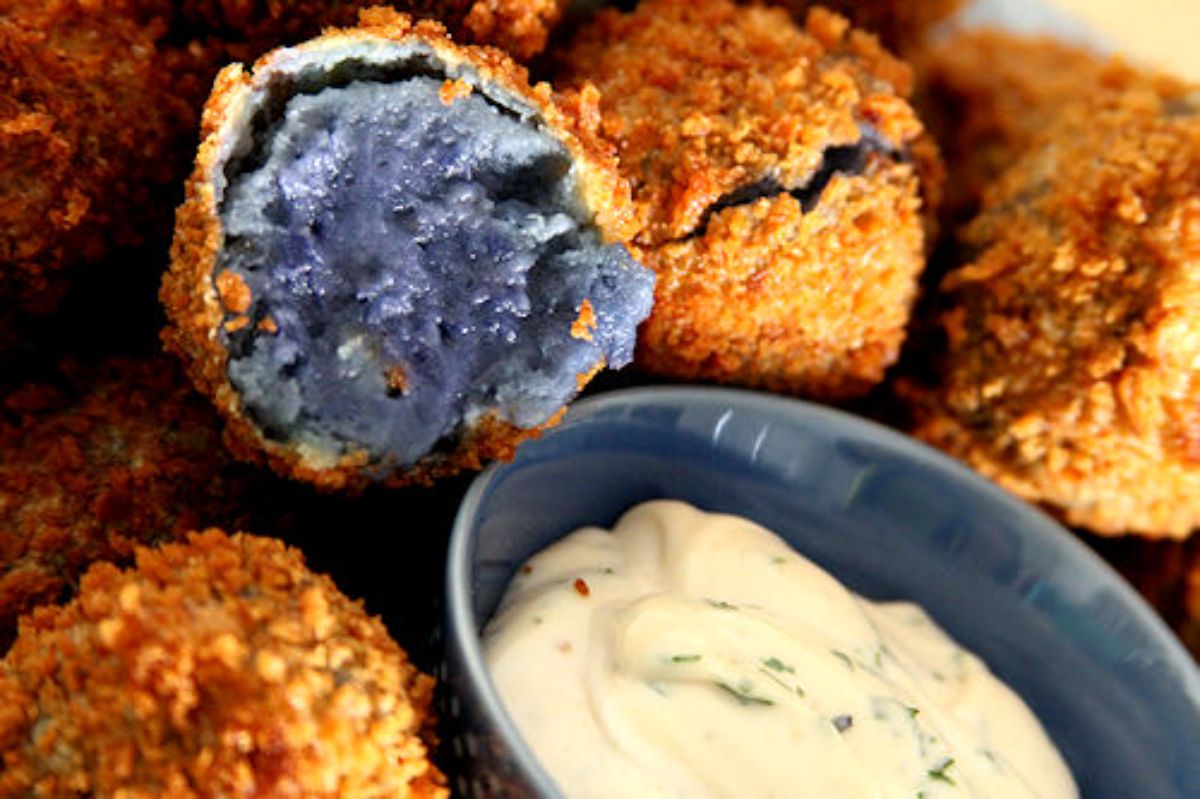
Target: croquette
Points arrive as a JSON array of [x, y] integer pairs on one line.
[[773, 170], [900, 24], [111, 456], [217, 667], [1070, 372], [986, 94], [100, 103], [397, 259]]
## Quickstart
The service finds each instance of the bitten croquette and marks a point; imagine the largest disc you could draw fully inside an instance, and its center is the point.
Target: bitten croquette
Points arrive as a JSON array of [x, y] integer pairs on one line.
[[773, 171], [1072, 338], [125, 454], [317, 290], [219, 667]]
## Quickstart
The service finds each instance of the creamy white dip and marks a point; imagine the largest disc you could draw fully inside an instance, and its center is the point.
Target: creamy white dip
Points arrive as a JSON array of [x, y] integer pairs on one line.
[[694, 654]]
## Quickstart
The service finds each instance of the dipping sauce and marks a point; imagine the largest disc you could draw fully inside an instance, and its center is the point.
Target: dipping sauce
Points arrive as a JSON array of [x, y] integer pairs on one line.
[[694, 654]]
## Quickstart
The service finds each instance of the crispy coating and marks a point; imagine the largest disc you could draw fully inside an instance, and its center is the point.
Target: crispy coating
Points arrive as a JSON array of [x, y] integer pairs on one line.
[[1070, 374], [220, 667], [899, 24], [520, 27], [196, 309], [987, 94], [90, 123], [709, 102], [127, 454]]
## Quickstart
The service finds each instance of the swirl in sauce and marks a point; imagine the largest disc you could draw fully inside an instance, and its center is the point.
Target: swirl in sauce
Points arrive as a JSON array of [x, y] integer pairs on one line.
[[694, 654]]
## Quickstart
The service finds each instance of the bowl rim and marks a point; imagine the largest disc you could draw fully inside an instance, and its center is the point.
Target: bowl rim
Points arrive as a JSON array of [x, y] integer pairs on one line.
[[463, 626]]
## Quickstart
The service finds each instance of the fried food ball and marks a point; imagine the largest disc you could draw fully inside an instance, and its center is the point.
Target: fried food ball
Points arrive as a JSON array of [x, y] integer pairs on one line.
[[218, 667], [900, 24], [773, 171], [397, 259], [1167, 573], [89, 134], [127, 453], [987, 94], [1072, 365]]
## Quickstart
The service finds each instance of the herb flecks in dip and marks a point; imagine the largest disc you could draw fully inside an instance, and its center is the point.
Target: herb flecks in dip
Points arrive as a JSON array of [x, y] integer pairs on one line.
[[707, 658]]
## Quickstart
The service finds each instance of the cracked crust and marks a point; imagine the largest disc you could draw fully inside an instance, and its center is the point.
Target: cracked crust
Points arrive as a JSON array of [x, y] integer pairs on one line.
[[194, 305], [1070, 375], [707, 99], [219, 667]]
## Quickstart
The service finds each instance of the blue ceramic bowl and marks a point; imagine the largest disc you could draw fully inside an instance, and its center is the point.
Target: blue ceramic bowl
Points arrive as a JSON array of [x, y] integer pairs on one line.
[[889, 517]]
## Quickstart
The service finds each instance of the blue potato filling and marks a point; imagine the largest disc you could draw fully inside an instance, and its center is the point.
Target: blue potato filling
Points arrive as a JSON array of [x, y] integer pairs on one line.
[[415, 265]]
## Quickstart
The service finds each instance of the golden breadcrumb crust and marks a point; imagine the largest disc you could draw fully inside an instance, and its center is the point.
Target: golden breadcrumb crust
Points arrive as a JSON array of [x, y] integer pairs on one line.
[[520, 27], [128, 454], [90, 129], [707, 99], [899, 24], [766, 272], [220, 667], [197, 307], [986, 94], [1072, 339]]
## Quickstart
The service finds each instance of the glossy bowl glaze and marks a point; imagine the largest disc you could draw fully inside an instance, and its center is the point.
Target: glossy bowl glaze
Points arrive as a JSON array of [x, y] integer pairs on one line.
[[888, 516]]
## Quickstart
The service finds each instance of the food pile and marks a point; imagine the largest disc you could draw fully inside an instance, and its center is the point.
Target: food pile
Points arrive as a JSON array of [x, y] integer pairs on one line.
[[413, 233]]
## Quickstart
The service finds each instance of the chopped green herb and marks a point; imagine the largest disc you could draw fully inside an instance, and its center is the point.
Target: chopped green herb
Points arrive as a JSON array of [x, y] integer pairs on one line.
[[684, 658], [779, 560], [775, 664], [913, 712], [800, 692], [843, 722], [538, 619], [842, 656], [608, 570], [742, 694], [720, 605], [939, 771]]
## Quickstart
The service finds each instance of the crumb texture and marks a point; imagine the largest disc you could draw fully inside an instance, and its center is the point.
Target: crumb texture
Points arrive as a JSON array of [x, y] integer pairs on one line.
[[1070, 374], [775, 173], [124, 454], [220, 667], [421, 263]]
